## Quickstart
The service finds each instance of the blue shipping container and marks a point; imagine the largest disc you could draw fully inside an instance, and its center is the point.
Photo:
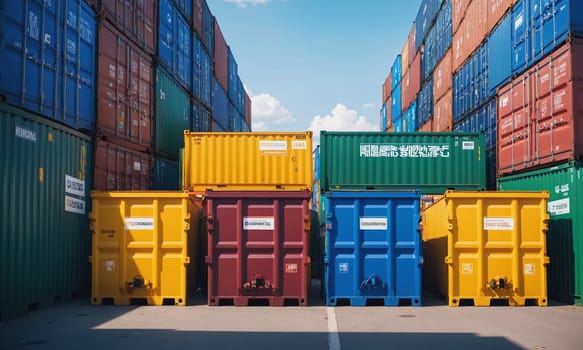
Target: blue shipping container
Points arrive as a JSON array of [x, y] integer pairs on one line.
[[48, 59], [233, 78], [174, 44], [424, 20], [398, 125], [373, 247], [208, 28], [520, 37], [201, 72], [425, 103], [165, 175], [481, 120], [437, 42], [201, 117], [396, 103], [470, 84], [410, 118], [185, 7], [396, 72], [384, 117], [500, 54], [220, 105]]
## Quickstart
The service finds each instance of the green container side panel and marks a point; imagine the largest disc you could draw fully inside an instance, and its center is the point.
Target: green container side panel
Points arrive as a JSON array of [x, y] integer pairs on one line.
[[172, 116], [565, 233], [45, 174], [430, 163]]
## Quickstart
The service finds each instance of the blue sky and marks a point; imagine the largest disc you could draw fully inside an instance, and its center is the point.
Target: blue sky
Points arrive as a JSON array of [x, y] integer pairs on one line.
[[315, 64]]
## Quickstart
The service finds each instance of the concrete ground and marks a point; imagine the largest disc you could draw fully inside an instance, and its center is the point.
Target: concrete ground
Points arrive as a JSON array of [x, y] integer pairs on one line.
[[80, 325]]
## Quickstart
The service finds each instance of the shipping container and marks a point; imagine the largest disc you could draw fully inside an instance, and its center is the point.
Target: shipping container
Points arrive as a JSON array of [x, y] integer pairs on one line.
[[135, 18], [233, 76], [48, 60], [220, 105], [258, 246], [221, 58], [539, 113], [386, 89], [165, 175], [373, 248], [45, 176], [459, 8], [281, 161], [483, 248], [411, 83], [208, 28], [470, 84], [471, 32], [197, 10], [405, 55], [201, 71], [428, 162], [396, 73], [248, 119], [398, 125], [498, 9], [500, 54], [481, 120], [442, 77], [437, 42], [201, 117], [383, 114], [124, 90], [564, 240], [174, 44], [172, 115], [426, 16], [521, 37], [411, 118], [144, 246], [427, 127], [396, 103], [425, 102], [185, 8], [443, 113], [120, 169]]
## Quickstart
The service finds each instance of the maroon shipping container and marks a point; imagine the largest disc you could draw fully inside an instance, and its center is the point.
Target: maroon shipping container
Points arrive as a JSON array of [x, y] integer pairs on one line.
[[135, 18], [540, 114], [118, 168], [411, 45], [470, 34], [221, 58], [411, 83], [248, 110], [442, 76], [258, 244], [197, 6], [496, 10], [387, 88], [124, 96]]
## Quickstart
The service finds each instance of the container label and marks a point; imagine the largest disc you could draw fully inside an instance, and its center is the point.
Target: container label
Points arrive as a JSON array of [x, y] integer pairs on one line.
[[291, 268], [393, 150], [25, 134], [270, 147], [74, 205], [138, 224], [468, 145], [343, 267], [529, 269], [560, 207], [498, 224], [74, 186], [467, 268], [368, 223], [109, 265], [299, 144], [255, 223], [137, 166]]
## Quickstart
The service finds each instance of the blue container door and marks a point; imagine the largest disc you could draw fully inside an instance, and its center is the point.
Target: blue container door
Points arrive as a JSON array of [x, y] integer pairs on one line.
[[396, 72], [220, 106], [384, 117], [398, 125], [520, 37], [166, 34], [500, 54], [396, 101], [373, 247], [184, 55]]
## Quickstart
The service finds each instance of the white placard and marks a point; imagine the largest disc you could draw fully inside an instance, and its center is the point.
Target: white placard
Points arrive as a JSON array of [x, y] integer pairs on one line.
[[135, 224], [498, 224], [368, 223], [299, 144], [258, 223], [265, 145], [74, 186], [559, 207], [74, 205], [468, 145]]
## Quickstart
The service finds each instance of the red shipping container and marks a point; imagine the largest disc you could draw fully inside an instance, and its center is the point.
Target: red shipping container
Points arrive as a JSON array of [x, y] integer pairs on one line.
[[258, 246], [124, 94], [442, 76], [221, 58], [387, 88], [411, 44], [427, 127], [135, 18], [408, 51], [540, 114], [118, 168], [389, 104], [496, 11], [443, 113], [470, 34], [197, 6], [458, 9], [411, 83]]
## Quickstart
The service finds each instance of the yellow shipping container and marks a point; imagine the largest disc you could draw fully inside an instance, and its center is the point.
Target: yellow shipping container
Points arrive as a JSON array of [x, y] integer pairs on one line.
[[487, 246], [144, 246], [247, 161]]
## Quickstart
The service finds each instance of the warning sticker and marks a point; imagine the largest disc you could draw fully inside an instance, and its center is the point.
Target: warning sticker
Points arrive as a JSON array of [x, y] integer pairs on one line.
[[498, 224], [258, 223], [134, 224], [343, 267], [529, 269], [109, 265], [467, 268], [270, 147], [291, 268]]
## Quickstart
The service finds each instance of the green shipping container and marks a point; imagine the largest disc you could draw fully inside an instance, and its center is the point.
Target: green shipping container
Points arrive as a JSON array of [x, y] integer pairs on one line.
[[565, 234], [172, 116], [430, 163], [45, 174]]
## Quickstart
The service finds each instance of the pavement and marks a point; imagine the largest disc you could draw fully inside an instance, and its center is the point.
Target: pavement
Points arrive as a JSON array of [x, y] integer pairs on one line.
[[79, 325]]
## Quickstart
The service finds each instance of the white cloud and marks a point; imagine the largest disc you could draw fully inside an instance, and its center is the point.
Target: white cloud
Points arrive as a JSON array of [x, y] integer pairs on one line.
[[245, 3], [341, 118], [268, 109], [368, 105], [258, 126]]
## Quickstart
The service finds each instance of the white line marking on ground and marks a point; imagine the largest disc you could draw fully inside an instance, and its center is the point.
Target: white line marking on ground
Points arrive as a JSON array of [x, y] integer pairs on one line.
[[333, 337]]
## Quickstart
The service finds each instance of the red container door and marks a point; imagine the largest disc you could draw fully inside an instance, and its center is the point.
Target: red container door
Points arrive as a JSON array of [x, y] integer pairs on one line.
[[120, 169], [258, 246], [136, 18], [221, 58]]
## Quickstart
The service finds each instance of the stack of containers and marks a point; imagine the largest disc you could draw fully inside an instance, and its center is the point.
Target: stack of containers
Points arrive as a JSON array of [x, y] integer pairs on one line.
[[372, 182], [538, 123], [47, 118], [386, 104], [396, 111], [256, 220], [411, 67]]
